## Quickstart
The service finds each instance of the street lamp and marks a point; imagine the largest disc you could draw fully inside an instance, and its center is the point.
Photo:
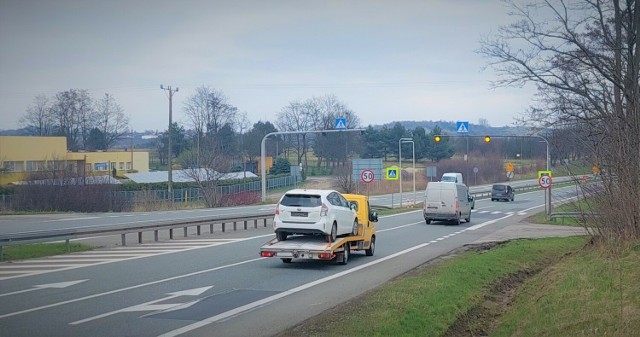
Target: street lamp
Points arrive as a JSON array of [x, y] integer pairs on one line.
[[413, 148]]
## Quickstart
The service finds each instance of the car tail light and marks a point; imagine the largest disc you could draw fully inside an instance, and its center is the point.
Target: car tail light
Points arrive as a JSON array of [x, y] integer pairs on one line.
[[277, 209], [324, 210], [267, 254]]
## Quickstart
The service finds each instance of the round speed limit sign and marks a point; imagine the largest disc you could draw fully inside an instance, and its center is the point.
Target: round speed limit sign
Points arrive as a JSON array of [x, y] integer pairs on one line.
[[544, 181], [367, 176]]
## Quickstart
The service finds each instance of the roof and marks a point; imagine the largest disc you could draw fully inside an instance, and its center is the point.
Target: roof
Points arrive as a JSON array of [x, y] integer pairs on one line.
[[185, 176], [310, 191]]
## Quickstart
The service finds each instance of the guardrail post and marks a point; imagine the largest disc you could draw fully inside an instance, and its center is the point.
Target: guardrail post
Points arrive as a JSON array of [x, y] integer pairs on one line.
[[234, 226], [139, 237], [185, 232], [170, 233], [122, 238], [265, 222], [155, 235], [255, 223], [198, 230], [223, 227], [68, 246], [210, 228], [245, 225]]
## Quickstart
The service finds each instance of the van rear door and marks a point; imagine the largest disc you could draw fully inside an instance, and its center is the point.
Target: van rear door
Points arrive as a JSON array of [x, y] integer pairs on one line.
[[440, 201]]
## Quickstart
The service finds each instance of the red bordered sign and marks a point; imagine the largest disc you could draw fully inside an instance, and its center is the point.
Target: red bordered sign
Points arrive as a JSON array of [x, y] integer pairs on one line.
[[544, 181], [367, 176]]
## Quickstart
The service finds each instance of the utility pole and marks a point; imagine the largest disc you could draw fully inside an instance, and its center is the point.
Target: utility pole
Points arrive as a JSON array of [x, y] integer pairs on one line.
[[170, 154]]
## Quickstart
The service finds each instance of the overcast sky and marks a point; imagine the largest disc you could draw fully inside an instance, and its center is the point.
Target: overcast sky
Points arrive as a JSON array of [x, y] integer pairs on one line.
[[386, 60]]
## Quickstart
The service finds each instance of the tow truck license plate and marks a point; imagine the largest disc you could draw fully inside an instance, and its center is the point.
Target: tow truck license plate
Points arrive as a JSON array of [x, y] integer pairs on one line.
[[285, 254], [304, 214]]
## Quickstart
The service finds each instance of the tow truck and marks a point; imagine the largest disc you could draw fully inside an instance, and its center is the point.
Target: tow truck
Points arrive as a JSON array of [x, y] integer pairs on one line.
[[317, 247]]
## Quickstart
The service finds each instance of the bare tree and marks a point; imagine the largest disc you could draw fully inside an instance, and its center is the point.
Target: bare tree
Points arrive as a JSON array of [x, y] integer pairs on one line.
[[110, 119], [213, 167], [73, 112], [584, 57], [296, 117], [38, 118]]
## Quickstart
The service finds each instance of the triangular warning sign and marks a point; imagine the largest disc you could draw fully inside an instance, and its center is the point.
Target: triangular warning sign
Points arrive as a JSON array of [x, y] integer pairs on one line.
[[462, 128], [340, 125]]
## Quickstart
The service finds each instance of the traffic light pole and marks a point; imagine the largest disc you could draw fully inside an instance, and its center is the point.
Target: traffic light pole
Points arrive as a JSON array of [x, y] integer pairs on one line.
[[487, 139], [263, 166]]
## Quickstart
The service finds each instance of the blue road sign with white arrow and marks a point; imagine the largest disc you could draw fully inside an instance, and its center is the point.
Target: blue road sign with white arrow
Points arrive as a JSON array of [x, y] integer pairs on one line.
[[462, 127]]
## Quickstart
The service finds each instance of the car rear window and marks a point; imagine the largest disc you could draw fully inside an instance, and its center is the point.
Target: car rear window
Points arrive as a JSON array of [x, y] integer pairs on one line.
[[301, 200], [499, 187]]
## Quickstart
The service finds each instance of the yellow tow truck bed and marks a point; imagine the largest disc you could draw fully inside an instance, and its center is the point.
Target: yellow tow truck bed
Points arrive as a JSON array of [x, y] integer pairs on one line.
[[316, 247]]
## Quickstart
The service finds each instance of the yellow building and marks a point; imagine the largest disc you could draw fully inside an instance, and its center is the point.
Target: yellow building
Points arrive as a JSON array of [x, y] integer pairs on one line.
[[21, 156]]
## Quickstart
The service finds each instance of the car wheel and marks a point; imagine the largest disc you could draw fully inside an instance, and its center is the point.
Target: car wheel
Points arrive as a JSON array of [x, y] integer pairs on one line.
[[354, 231], [428, 221], [281, 236], [492, 199], [345, 254], [468, 219], [287, 260], [334, 233], [372, 247]]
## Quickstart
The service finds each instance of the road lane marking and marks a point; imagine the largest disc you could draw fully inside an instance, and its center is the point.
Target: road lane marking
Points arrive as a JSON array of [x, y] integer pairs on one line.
[[474, 227], [53, 305], [58, 285], [151, 305]]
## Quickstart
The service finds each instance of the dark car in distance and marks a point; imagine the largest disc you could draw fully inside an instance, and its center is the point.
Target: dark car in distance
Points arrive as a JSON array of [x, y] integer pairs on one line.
[[501, 192]]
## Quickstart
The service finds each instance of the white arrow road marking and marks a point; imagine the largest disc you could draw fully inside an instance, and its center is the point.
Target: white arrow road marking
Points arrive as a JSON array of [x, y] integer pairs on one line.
[[59, 285], [150, 306]]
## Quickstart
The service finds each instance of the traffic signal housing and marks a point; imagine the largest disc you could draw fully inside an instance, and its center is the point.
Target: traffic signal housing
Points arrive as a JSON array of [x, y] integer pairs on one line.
[[487, 139]]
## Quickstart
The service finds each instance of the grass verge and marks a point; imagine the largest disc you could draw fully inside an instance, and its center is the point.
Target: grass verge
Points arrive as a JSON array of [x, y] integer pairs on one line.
[[23, 252], [429, 301]]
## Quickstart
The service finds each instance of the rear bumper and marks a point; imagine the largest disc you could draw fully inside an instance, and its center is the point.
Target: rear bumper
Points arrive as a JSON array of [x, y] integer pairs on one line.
[[439, 216], [305, 231]]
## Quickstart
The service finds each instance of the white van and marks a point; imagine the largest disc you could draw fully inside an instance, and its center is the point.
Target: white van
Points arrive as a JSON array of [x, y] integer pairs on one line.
[[447, 202], [453, 177]]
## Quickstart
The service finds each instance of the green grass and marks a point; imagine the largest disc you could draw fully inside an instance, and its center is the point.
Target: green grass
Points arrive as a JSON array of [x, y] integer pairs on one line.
[[542, 218], [429, 300], [591, 293], [22, 252]]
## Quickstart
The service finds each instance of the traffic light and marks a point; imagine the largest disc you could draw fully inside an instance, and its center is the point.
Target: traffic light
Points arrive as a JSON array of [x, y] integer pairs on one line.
[[437, 139], [487, 139]]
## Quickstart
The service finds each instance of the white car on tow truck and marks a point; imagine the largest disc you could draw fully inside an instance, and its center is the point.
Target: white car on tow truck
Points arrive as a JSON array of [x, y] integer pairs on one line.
[[314, 212]]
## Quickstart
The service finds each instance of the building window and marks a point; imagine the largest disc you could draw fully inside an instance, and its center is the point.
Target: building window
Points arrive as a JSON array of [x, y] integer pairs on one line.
[[9, 166], [128, 165], [121, 166], [35, 166], [101, 166]]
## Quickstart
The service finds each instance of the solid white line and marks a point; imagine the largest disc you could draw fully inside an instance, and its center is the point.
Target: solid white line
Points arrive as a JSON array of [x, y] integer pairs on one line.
[[127, 288], [253, 305], [474, 227], [14, 266]]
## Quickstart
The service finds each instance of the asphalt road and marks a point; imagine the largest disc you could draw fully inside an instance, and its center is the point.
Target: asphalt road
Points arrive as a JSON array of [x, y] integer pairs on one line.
[[226, 289]]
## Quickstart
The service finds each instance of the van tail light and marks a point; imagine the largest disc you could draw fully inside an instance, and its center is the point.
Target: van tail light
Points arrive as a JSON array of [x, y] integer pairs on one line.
[[278, 209], [324, 210], [457, 204]]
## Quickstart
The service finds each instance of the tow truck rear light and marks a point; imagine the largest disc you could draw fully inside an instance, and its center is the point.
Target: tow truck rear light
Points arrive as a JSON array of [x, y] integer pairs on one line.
[[267, 254], [325, 256], [324, 210]]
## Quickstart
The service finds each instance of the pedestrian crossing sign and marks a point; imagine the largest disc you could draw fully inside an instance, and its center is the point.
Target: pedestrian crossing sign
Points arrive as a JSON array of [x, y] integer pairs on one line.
[[341, 123], [462, 127], [391, 173]]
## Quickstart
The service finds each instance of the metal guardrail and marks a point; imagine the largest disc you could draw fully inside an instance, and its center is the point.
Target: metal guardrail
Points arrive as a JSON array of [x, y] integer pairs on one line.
[[122, 230]]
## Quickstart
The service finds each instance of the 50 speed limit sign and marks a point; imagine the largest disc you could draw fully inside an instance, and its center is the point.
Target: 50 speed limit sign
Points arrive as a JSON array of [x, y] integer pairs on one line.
[[367, 176], [544, 181]]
